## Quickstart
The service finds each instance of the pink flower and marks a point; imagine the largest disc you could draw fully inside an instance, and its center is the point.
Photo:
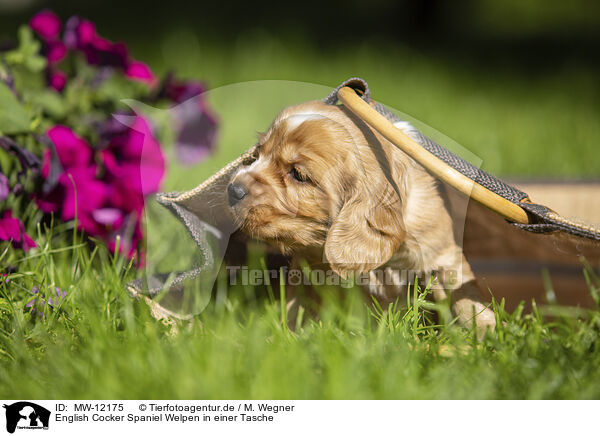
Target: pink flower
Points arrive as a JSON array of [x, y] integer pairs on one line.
[[134, 164], [82, 195], [196, 129], [73, 152], [80, 34], [85, 32], [57, 80], [55, 51], [195, 124], [46, 24], [139, 71], [12, 229], [179, 91], [109, 201], [77, 193]]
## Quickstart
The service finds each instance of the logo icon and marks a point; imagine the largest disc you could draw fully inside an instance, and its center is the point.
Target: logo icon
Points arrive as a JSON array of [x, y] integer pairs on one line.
[[26, 415]]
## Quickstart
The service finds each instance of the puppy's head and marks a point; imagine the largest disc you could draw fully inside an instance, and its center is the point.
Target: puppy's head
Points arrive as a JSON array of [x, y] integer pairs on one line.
[[323, 183]]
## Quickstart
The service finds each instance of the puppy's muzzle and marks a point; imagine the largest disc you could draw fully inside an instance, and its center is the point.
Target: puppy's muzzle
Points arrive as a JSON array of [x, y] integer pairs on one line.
[[236, 192]]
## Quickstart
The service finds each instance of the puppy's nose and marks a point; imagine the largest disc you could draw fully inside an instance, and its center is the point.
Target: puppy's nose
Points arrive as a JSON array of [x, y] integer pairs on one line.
[[236, 192]]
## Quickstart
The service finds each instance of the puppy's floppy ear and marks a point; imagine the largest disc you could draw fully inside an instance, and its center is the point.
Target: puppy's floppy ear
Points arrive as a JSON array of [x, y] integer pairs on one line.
[[365, 233]]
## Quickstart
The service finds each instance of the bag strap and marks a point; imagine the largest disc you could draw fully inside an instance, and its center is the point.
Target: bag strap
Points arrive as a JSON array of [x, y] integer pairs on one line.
[[358, 85], [487, 189]]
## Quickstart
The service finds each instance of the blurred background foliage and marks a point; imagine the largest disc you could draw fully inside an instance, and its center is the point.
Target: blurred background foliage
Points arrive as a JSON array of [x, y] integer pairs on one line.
[[515, 82]]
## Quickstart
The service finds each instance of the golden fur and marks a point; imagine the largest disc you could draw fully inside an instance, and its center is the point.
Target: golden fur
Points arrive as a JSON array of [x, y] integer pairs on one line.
[[329, 189]]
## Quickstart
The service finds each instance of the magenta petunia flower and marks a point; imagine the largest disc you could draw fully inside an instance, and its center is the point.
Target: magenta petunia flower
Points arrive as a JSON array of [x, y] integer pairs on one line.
[[46, 24], [195, 125], [56, 51], [196, 129], [102, 52], [12, 229], [51, 202], [83, 194], [57, 80], [73, 152], [134, 163], [179, 91], [81, 35], [77, 192], [107, 201], [141, 72]]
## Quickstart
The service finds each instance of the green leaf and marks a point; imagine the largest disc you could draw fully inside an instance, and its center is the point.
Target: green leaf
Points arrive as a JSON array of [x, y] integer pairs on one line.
[[13, 116], [117, 87], [27, 53], [49, 101], [30, 49], [35, 63]]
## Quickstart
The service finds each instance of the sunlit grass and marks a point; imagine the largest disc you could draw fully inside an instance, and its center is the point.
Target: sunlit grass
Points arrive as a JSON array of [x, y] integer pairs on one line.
[[99, 343]]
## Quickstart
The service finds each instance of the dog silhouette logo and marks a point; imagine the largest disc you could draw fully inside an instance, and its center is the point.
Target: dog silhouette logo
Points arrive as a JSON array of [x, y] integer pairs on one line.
[[26, 415]]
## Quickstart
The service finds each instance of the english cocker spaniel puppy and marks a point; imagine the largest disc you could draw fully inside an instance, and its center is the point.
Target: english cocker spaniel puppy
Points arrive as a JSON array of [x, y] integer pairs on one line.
[[327, 188]]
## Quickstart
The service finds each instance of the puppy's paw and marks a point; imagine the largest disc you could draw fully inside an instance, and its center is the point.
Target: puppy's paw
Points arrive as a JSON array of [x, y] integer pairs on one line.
[[469, 307]]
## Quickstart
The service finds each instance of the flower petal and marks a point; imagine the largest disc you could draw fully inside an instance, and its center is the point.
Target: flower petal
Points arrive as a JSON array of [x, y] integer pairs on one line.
[[197, 131], [73, 152], [141, 164], [57, 80], [56, 51], [12, 229], [180, 91], [46, 24], [83, 193], [141, 72], [85, 32], [108, 216]]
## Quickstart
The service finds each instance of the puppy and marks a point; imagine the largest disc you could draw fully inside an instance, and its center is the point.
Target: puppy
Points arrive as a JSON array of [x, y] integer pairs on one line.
[[327, 188]]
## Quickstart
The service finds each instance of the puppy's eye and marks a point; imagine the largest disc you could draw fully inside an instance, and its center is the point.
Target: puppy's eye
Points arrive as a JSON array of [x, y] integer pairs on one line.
[[298, 175]]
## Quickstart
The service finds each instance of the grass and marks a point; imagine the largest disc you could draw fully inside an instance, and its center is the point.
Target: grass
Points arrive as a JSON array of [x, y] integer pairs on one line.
[[99, 343]]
